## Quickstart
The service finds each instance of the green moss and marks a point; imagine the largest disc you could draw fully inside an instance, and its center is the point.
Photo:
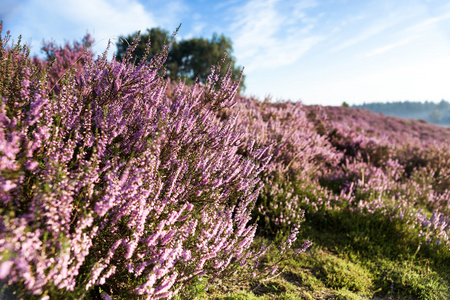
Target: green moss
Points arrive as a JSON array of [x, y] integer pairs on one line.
[[410, 278], [241, 295], [338, 273], [277, 287], [344, 294]]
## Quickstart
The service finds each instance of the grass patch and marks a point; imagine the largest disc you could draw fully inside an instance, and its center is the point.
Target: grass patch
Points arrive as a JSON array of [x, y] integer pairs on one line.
[[338, 273], [346, 295], [357, 256]]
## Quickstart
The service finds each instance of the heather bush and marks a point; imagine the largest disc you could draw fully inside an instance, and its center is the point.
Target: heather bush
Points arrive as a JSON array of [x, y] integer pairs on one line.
[[117, 183], [395, 130], [382, 196], [110, 188], [60, 60], [298, 151], [299, 154]]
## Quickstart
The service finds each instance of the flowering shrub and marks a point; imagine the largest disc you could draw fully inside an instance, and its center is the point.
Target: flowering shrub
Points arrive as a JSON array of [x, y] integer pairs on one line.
[[298, 151], [115, 182], [108, 182], [395, 173], [60, 60], [396, 130], [330, 159]]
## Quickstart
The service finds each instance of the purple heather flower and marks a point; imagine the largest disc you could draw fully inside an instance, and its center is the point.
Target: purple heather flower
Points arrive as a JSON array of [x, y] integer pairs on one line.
[[5, 268]]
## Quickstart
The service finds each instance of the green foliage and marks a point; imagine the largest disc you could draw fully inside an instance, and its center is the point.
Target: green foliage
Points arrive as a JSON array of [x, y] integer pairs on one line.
[[241, 295], [276, 287], [298, 273], [278, 210], [189, 59], [195, 290], [344, 294], [408, 278], [341, 274], [157, 36], [356, 253]]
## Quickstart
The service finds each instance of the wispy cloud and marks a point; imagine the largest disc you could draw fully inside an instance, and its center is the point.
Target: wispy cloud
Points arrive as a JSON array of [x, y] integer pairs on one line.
[[290, 48], [197, 27], [271, 33], [354, 19], [225, 4], [168, 14], [391, 46], [366, 33], [373, 20], [422, 28], [430, 22]]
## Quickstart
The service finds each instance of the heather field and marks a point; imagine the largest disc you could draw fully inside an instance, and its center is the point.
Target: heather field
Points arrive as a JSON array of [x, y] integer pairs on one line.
[[117, 183]]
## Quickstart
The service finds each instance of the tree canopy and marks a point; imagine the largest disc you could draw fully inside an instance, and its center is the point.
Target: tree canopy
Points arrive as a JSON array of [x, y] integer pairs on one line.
[[187, 59], [437, 113]]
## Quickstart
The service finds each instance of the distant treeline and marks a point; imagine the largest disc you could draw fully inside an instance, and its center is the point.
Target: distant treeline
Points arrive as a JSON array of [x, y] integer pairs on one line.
[[437, 113]]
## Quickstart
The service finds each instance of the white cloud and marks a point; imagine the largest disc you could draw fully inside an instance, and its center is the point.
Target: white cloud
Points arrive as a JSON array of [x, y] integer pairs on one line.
[[197, 28], [71, 19], [354, 19], [391, 46], [108, 19], [225, 4], [269, 34], [168, 15]]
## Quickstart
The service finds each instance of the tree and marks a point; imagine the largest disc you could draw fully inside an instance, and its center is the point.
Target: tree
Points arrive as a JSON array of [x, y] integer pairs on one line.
[[443, 105], [158, 37], [188, 59], [435, 116]]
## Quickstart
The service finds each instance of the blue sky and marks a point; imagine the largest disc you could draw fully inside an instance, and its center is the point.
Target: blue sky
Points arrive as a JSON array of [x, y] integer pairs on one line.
[[315, 51]]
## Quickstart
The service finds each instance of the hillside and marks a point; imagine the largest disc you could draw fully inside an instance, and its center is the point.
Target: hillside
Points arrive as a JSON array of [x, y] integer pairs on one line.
[[365, 182], [376, 124]]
